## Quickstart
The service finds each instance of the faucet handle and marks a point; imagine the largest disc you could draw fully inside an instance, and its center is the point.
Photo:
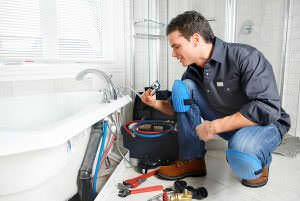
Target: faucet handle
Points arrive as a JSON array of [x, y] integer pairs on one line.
[[109, 75], [106, 95]]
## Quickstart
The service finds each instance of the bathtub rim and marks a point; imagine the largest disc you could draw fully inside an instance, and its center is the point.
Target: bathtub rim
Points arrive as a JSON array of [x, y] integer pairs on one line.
[[58, 132]]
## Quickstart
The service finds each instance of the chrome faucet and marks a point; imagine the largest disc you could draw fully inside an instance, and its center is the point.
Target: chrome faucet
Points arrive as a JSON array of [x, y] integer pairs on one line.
[[112, 89]]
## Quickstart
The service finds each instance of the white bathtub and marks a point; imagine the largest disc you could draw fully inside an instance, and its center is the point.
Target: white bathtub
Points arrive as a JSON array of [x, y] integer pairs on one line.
[[43, 140]]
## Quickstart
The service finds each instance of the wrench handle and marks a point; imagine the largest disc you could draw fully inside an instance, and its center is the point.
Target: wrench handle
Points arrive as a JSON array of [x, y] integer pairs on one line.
[[147, 189]]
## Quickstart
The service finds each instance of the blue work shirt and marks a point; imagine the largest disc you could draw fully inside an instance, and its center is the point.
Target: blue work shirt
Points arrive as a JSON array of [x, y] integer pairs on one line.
[[238, 78]]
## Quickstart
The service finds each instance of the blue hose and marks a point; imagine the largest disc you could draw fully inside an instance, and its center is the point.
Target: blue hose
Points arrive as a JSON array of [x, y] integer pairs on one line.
[[99, 158], [161, 122]]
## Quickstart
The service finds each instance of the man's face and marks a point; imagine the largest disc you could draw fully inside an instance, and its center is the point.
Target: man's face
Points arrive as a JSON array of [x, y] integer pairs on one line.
[[184, 50]]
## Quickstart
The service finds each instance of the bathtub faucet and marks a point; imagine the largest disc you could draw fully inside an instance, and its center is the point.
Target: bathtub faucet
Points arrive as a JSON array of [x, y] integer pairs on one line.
[[112, 89]]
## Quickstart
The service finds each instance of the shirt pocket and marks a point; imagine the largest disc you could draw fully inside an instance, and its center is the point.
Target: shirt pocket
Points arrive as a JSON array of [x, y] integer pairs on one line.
[[230, 93], [231, 86]]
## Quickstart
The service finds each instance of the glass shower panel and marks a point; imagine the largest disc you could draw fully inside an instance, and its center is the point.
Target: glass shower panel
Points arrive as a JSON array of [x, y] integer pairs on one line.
[[260, 23], [149, 22]]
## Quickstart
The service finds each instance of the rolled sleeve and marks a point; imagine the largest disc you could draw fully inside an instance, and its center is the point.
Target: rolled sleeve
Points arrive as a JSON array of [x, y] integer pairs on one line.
[[259, 85]]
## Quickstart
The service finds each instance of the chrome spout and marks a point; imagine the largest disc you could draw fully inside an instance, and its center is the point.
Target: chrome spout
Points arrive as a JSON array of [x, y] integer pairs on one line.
[[100, 74]]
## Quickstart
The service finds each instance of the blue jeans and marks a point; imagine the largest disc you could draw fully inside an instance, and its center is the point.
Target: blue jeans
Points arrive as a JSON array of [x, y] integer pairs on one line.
[[257, 140]]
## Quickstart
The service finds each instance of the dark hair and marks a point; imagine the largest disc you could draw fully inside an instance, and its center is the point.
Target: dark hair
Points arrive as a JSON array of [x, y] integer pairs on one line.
[[191, 22]]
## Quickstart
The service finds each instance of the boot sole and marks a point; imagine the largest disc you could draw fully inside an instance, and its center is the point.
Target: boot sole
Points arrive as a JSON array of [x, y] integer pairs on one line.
[[253, 185], [165, 177], [256, 185]]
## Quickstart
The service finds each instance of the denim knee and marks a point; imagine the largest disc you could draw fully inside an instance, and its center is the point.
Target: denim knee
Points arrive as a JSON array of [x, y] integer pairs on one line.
[[259, 141], [243, 141]]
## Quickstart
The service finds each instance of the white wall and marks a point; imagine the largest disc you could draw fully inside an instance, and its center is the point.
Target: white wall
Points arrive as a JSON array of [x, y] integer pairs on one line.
[[291, 98]]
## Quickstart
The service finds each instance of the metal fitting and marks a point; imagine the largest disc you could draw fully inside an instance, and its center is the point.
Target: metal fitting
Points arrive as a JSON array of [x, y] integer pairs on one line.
[[155, 86], [186, 196]]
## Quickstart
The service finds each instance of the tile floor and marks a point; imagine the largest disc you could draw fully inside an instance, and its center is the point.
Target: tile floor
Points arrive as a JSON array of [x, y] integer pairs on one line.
[[221, 184]]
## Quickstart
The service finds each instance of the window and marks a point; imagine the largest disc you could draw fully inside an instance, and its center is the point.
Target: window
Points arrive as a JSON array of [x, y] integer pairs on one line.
[[79, 32], [20, 30], [43, 30]]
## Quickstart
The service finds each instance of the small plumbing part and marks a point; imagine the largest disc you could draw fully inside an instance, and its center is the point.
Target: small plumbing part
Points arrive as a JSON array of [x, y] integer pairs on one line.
[[186, 196], [155, 86]]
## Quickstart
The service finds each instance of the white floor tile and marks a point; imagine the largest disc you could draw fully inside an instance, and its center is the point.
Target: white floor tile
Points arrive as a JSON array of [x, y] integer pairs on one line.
[[222, 185]]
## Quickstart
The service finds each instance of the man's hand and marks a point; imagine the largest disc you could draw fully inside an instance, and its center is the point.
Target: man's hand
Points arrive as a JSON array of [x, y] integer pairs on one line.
[[148, 99], [206, 131]]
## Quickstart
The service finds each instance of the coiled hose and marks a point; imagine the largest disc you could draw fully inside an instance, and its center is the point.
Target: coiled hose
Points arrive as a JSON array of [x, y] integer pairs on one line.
[[132, 127]]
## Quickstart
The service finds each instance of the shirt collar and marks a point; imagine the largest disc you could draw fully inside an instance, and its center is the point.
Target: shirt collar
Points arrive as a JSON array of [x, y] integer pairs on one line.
[[219, 50]]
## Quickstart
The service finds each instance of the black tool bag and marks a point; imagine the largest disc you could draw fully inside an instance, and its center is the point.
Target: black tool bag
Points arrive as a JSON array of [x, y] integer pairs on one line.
[[160, 148], [142, 111]]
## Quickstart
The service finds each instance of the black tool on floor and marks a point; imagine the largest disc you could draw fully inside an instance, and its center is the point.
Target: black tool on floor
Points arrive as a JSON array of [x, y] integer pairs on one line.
[[179, 186], [147, 163], [197, 193]]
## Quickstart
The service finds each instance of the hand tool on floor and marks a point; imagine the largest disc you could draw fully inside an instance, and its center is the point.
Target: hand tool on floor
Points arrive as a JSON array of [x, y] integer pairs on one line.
[[125, 192], [163, 196], [134, 182]]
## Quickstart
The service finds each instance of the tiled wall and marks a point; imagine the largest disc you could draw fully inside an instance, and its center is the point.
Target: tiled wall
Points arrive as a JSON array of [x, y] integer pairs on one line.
[[291, 98], [35, 87], [260, 23]]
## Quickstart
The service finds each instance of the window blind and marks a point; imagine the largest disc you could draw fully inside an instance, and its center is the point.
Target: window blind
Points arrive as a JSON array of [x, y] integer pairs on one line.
[[77, 34], [20, 32]]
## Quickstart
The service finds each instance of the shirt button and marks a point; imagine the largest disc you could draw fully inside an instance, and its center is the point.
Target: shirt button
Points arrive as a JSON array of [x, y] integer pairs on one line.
[[206, 74], [207, 90], [227, 89]]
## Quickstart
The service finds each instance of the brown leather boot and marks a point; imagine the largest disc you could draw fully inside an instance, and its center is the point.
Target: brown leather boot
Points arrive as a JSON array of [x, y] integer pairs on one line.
[[183, 168], [259, 182]]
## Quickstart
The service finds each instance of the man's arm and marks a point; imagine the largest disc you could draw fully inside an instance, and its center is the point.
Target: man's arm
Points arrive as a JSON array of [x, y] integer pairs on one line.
[[231, 122], [164, 106], [209, 129]]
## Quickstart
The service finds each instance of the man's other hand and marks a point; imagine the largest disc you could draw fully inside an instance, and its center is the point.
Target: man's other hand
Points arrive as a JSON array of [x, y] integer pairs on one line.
[[206, 131]]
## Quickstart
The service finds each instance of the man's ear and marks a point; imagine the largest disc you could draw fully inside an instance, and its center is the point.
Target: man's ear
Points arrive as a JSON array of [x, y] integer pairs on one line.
[[196, 38]]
